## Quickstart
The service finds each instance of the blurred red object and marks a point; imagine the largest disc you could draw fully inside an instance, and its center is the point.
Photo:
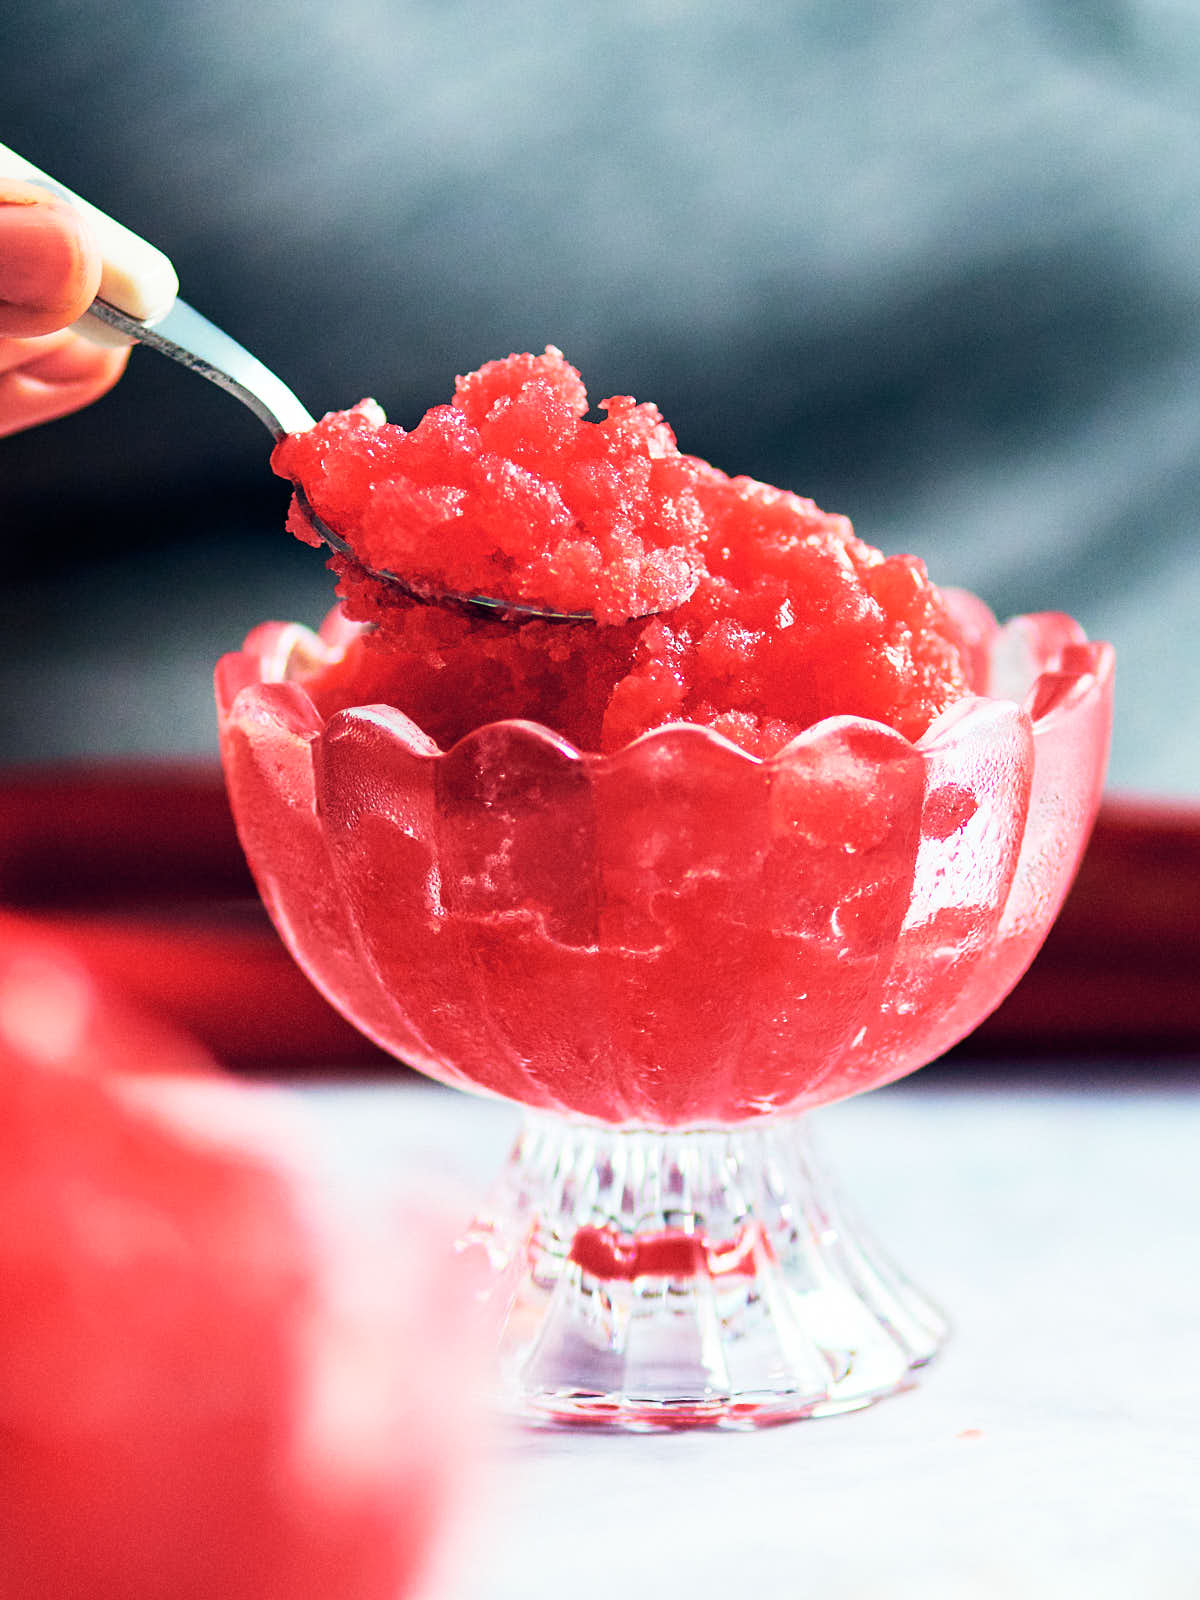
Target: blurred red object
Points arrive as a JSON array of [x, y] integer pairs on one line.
[[55, 1009], [139, 870], [208, 1386]]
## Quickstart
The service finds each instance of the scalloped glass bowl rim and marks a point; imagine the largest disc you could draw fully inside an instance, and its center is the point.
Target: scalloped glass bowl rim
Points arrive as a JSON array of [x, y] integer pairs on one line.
[[277, 644]]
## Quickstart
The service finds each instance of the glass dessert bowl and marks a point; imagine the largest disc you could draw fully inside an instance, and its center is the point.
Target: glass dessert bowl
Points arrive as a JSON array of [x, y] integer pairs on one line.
[[668, 955]]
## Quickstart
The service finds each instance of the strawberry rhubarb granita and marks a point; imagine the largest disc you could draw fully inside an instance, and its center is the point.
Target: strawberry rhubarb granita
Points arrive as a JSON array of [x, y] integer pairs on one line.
[[719, 601], [761, 820], [777, 822]]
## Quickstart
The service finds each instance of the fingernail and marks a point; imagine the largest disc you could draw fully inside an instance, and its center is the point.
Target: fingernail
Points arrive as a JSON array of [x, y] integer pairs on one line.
[[26, 192]]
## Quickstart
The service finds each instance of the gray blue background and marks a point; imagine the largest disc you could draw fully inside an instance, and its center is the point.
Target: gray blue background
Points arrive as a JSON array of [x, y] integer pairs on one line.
[[933, 263]]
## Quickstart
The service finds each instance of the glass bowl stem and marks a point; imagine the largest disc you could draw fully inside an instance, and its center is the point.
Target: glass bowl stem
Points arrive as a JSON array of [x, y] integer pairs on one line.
[[652, 1278]]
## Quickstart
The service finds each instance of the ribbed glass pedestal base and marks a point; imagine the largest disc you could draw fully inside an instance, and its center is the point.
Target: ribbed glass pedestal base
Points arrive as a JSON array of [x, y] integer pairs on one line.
[[658, 1279]]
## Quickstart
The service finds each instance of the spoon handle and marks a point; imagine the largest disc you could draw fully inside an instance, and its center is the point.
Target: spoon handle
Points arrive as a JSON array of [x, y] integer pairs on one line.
[[203, 348], [137, 278], [138, 303]]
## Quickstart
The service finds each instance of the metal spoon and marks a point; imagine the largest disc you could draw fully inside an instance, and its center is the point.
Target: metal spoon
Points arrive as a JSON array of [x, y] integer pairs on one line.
[[139, 301], [202, 347]]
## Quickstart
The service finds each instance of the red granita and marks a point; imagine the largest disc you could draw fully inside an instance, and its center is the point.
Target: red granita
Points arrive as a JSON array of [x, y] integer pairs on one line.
[[720, 601]]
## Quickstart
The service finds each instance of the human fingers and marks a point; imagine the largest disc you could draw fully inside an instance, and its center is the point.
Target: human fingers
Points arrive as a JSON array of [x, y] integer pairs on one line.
[[50, 264], [16, 353], [47, 377]]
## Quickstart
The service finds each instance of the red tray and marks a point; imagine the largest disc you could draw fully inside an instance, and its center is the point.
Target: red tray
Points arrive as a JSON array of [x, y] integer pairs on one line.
[[138, 869]]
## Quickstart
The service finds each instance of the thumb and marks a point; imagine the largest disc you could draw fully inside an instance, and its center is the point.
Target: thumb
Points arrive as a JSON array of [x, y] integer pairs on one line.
[[49, 263]]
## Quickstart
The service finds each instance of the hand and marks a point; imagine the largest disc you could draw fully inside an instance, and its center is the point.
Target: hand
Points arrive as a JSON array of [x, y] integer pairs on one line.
[[49, 274]]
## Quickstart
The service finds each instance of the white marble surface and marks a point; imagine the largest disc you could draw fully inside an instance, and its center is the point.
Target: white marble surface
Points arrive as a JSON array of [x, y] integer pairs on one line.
[[1052, 1450]]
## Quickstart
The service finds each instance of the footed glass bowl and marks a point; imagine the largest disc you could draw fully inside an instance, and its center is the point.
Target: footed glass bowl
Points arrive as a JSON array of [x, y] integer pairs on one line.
[[668, 955]]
